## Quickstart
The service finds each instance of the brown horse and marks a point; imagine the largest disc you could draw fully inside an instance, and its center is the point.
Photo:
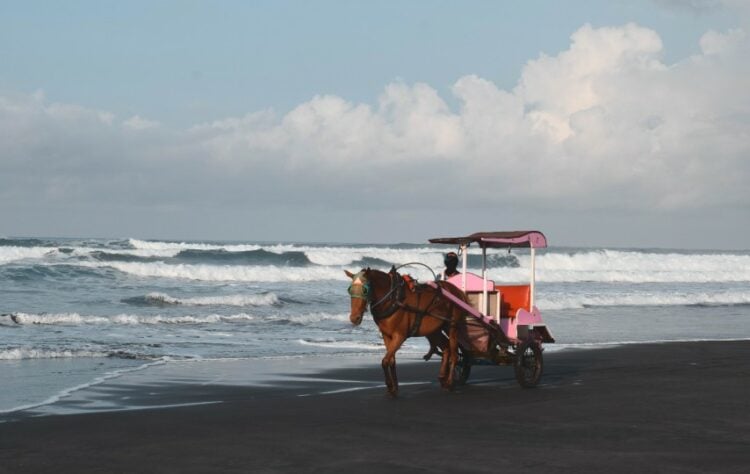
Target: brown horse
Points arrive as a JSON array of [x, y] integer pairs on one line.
[[401, 313]]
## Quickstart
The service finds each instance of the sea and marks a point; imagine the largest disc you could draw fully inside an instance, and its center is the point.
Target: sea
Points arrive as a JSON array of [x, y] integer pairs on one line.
[[80, 312]]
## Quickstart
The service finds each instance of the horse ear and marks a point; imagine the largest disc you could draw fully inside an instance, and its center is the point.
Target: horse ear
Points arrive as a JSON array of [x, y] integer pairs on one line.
[[349, 274]]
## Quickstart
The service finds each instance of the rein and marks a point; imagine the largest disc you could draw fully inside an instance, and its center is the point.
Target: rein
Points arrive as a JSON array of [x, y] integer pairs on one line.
[[397, 295]]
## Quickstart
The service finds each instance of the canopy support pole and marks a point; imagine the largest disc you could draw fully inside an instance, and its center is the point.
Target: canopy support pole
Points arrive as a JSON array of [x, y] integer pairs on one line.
[[485, 306], [465, 257], [533, 277]]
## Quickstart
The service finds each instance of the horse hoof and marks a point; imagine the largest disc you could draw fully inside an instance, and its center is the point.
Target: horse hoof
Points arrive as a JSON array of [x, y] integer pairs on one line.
[[446, 385]]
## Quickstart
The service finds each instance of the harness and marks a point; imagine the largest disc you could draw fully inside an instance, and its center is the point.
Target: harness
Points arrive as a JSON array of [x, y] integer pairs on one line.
[[393, 300]]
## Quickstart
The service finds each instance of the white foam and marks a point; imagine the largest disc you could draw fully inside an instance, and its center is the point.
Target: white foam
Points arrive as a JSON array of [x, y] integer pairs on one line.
[[20, 353], [265, 299], [552, 266], [319, 255], [177, 247], [12, 254], [159, 253], [644, 299], [333, 344], [340, 256], [74, 319], [632, 267], [308, 318], [260, 273]]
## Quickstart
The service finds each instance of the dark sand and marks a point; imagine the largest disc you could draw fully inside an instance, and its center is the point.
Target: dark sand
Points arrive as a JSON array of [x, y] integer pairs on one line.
[[679, 407]]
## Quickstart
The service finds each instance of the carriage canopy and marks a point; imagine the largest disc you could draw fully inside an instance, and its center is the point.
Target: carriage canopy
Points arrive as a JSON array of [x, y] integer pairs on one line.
[[518, 238]]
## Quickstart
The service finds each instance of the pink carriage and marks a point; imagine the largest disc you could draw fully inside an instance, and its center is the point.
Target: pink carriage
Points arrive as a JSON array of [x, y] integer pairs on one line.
[[503, 325]]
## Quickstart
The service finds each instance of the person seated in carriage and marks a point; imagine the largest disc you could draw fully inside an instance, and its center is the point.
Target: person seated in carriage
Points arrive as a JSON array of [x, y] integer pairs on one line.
[[451, 264]]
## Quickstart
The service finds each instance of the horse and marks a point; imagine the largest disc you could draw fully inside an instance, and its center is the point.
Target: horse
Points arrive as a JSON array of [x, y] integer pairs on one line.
[[401, 313]]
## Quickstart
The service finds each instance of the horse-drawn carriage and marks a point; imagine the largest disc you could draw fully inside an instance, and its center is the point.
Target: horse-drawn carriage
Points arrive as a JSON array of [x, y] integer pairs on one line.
[[468, 317]]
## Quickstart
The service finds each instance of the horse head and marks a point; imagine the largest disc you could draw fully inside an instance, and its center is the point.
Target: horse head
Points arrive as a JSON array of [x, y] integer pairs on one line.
[[359, 291]]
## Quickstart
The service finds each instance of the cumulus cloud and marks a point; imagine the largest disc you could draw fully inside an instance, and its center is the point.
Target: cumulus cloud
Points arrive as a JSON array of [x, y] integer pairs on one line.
[[137, 122], [603, 124]]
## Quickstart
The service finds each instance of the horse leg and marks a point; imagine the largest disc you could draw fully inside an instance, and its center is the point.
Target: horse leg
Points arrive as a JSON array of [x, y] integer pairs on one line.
[[437, 344], [443, 368], [450, 358], [453, 353], [444, 363], [392, 344]]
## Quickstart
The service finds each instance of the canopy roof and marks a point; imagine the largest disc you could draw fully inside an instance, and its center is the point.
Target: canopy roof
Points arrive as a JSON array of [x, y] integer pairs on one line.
[[516, 238]]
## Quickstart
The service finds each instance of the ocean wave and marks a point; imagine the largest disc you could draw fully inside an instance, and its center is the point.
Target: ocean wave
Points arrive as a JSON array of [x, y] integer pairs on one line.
[[75, 319], [11, 254], [20, 353], [6, 242], [120, 256], [637, 266], [726, 298], [177, 247], [246, 257], [334, 344], [23, 353], [308, 318], [163, 299], [300, 263], [318, 255], [261, 273], [547, 271]]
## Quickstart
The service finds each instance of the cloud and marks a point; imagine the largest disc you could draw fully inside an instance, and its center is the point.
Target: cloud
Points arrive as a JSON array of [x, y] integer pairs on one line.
[[605, 124], [698, 6], [139, 123]]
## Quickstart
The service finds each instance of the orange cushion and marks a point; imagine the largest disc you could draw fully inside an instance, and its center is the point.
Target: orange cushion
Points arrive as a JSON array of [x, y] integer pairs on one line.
[[514, 297]]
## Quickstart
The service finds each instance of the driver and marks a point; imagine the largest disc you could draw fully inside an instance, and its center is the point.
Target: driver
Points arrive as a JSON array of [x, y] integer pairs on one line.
[[451, 262]]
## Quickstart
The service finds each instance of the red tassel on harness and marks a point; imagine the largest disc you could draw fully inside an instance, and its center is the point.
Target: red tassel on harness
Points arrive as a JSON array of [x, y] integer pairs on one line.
[[410, 283]]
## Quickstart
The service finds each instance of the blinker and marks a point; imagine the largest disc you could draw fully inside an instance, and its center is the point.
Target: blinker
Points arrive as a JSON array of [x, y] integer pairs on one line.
[[360, 288]]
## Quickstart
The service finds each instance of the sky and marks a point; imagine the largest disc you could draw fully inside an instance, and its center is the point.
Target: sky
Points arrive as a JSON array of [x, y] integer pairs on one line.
[[601, 123]]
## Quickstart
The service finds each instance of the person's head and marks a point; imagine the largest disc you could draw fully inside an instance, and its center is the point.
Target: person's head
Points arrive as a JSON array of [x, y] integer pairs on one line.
[[451, 260]]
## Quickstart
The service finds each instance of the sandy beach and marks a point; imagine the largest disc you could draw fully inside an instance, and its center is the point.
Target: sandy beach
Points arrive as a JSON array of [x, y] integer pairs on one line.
[[677, 407]]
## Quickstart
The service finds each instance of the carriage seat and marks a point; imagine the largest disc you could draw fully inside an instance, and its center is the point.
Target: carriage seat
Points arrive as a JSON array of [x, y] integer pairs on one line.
[[473, 282], [474, 292], [514, 297]]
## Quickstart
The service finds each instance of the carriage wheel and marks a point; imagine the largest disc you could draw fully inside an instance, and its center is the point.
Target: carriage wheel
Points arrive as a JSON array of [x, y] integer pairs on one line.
[[463, 369], [528, 363]]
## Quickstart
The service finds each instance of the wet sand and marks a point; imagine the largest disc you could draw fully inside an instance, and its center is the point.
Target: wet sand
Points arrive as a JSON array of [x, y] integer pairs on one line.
[[679, 407]]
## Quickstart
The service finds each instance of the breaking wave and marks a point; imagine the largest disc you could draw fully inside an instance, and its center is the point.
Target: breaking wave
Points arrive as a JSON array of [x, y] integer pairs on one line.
[[308, 318], [334, 344], [726, 298], [261, 273], [74, 319], [177, 247], [4, 242], [247, 257], [318, 255], [631, 267], [12, 253], [299, 263], [23, 353], [163, 299]]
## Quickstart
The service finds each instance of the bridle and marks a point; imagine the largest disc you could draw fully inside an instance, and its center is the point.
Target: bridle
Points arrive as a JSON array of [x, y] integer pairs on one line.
[[360, 288]]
